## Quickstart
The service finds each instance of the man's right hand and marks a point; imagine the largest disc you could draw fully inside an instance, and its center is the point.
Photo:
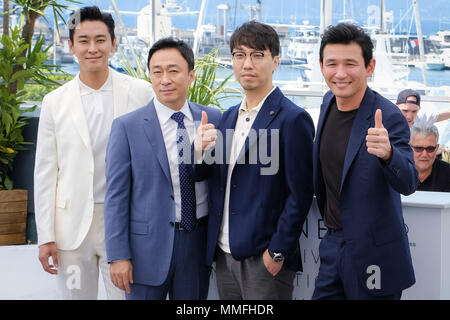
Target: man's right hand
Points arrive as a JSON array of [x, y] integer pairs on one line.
[[206, 135], [46, 251], [121, 273]]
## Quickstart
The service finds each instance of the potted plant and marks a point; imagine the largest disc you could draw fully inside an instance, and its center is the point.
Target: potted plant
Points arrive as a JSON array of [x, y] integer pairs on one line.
[[20, 61], [13, 203]]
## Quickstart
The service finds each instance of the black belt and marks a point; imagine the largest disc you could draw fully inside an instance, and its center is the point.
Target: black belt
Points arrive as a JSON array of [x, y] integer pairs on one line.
[[200, 222]]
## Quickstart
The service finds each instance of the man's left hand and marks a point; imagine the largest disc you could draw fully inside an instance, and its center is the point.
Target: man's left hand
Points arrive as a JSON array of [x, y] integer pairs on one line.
[[377, 139], [271, 266]]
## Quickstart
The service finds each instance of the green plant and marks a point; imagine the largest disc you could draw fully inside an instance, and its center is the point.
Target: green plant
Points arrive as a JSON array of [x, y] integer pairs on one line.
[[137, 68], [205, 89], [30, 11], [21, 61], [11, 120], [36, 91], [12, 94]]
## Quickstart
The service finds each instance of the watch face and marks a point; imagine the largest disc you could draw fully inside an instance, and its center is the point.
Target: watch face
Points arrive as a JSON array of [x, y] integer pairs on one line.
[[278, 257]]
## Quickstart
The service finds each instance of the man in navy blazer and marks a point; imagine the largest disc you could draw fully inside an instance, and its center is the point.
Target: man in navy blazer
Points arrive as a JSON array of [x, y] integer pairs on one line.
[[155, 214], [362, 162], [261, 176]]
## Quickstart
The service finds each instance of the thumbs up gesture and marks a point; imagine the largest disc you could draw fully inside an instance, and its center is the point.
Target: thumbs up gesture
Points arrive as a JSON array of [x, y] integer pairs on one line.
[[206, 135], [377, 139]]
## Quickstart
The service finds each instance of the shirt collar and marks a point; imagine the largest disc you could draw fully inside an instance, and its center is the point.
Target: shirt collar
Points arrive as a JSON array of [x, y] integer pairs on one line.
[[85, 90], [164, 113], [243, 106]]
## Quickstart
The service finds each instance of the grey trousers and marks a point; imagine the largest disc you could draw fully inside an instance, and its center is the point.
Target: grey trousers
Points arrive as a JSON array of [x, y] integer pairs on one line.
[[250, 280]]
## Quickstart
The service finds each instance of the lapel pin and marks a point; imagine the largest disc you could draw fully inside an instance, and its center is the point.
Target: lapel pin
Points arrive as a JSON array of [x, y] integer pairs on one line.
[[272, 113]]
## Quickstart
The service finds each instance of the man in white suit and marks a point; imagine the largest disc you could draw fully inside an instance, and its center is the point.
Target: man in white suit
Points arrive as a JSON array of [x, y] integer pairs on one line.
[[69, 177]]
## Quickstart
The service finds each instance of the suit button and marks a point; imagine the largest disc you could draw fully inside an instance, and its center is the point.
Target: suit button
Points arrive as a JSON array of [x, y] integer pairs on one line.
[[172, 224], [171, 196]]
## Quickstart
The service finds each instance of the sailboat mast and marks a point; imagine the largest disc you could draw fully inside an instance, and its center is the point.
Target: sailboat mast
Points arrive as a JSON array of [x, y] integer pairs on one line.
[[382, 13], [326, 14], [198, 31], [420, 37], [154, 12]]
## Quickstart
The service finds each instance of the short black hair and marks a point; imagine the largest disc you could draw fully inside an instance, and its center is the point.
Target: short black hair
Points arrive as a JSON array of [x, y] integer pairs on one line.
[[346, 33], [256, 35], [180, 45], [92, 13]]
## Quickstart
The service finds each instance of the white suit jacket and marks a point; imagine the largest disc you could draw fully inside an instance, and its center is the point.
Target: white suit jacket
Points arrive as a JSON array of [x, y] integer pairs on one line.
[[64, 168]]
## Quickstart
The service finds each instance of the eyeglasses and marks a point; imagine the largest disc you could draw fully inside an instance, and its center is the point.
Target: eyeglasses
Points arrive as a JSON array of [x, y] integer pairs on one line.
[[255, 56], [430, 149]]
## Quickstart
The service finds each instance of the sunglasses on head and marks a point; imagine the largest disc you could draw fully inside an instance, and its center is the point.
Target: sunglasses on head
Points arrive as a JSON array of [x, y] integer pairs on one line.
[[429, 149]]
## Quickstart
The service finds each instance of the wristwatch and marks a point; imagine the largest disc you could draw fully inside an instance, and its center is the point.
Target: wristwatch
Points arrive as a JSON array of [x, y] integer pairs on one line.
[[276, 256]]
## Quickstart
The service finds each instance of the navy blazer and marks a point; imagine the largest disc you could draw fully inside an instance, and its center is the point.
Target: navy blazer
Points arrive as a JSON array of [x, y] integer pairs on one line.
[[139, 202], [370, 204], [265, 211]]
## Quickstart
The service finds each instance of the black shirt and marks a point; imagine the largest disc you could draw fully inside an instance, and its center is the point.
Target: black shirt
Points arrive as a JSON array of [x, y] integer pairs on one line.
[[439, 179], [333, 146]]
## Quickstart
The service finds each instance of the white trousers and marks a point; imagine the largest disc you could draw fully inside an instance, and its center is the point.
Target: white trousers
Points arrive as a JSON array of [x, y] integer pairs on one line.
[[78, 272]]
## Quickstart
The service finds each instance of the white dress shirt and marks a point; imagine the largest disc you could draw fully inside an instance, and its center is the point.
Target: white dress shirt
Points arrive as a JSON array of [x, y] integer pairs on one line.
[[244, 123], [98, 108], [169, 133]]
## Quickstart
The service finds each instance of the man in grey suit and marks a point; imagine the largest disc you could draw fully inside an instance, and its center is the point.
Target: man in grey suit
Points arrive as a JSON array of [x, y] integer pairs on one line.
[[155, 214]]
